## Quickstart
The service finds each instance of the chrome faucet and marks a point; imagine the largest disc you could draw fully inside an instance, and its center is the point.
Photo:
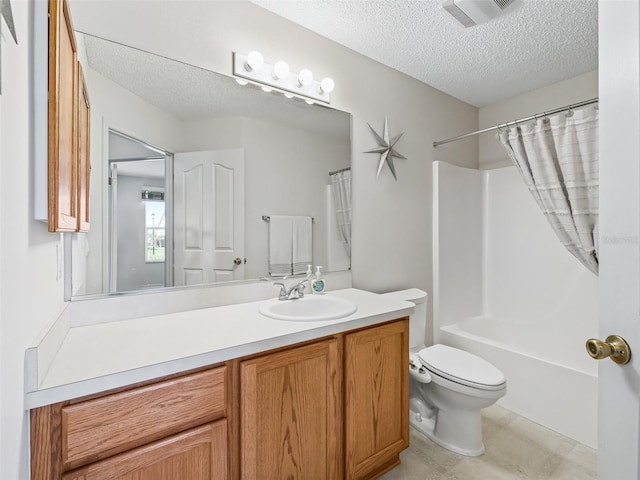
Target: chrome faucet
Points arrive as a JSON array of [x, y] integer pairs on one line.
[[295, 292]]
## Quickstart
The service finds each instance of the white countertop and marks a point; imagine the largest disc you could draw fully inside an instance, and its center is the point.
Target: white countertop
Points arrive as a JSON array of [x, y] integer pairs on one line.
[[96, 358]]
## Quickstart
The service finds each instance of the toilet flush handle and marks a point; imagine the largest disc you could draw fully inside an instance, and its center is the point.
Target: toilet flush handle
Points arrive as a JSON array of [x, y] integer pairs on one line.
[[418, 371]]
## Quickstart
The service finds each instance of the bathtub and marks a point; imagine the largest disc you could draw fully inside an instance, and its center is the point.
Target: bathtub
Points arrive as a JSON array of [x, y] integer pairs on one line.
[[550, 381]]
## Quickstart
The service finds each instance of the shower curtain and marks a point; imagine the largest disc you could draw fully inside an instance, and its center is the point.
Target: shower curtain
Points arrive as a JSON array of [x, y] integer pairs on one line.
[[341, 188], [558, 160]]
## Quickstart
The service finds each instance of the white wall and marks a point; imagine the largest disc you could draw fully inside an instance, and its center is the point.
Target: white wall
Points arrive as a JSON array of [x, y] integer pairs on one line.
[[392, 220], [30, 294], [573, 90]]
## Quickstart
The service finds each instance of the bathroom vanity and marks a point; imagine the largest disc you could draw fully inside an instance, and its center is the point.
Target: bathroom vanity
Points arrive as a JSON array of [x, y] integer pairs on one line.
[[323, 399]]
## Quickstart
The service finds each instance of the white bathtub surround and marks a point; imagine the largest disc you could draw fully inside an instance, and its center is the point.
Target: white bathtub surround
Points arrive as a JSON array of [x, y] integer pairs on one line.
[[506, 290], [558, 160], [98, 357]]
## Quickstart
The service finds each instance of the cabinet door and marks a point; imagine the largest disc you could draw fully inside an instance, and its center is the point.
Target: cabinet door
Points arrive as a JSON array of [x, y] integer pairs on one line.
[[62, 105], [197, 454], [377, 404], [84, 161], [291, 414]]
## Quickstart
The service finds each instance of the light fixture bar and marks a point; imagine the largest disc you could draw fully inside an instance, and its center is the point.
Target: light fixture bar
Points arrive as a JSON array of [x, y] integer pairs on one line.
[[289, 82]]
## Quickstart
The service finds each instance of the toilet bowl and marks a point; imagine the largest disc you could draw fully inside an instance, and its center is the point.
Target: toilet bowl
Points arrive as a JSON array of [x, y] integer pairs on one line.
[[447, 387]]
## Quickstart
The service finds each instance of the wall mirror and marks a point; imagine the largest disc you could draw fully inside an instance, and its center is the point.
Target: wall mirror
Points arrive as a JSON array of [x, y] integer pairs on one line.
[[186, 163]]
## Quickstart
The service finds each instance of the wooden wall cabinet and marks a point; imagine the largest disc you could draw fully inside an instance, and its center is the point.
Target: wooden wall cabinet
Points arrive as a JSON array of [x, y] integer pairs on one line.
[[68, 123], [334, 409]]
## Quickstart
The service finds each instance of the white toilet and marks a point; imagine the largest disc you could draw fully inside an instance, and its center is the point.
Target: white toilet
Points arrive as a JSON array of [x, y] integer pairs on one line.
[[447, 387]]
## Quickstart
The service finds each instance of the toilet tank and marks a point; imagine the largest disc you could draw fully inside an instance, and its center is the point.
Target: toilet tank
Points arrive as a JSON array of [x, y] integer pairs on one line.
[[418, 320]]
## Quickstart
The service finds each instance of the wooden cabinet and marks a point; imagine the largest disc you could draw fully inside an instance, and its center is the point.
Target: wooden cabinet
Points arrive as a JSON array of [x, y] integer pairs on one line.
[[68, 122], [197, 454], [376, 401], [291, 404], [336, 408], [171, 429]]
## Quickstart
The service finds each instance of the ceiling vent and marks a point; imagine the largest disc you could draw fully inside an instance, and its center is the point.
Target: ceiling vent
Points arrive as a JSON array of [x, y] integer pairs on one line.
[[469, 13]]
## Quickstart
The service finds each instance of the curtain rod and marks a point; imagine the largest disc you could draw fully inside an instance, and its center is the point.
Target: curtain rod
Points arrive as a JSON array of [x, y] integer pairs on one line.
[[339, 171], [532, 117]]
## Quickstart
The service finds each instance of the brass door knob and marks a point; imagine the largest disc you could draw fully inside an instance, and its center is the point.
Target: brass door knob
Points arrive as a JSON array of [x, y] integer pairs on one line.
[[614, 347], [237, 261]]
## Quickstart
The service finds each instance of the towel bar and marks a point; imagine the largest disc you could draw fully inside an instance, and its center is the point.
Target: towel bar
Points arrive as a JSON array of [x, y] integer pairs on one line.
[[267, 218]]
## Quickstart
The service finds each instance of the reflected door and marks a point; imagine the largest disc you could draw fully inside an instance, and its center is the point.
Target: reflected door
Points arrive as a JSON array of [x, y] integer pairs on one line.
[[209, 216]]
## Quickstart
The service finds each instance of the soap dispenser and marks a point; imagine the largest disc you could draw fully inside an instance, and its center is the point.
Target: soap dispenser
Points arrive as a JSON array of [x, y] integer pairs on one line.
[[317, 285]]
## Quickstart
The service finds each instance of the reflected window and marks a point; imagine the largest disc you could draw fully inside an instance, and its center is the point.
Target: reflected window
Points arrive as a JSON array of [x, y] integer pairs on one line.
[[154, 231]]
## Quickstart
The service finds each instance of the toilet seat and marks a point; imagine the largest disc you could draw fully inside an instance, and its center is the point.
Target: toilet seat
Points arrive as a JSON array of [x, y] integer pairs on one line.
[[461, 367]]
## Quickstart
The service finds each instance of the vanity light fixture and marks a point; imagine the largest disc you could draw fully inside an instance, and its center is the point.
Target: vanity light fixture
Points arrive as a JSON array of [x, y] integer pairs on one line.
[[252, 69], [241, 81], [254, 61], [305, 77], [327, 85], [280, 70]]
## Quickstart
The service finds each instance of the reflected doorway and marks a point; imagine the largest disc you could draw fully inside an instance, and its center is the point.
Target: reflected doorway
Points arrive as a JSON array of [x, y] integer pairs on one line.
[[140, 215]]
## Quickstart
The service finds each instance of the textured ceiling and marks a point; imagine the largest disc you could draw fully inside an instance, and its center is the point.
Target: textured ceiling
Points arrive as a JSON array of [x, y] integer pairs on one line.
[[534, 43]]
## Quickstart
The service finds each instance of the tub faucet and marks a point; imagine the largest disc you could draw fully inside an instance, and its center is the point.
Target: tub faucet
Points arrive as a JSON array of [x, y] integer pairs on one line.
[[295, 292]]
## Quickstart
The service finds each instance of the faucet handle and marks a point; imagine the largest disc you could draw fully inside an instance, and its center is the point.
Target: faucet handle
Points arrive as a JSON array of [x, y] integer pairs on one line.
[[283, 290]]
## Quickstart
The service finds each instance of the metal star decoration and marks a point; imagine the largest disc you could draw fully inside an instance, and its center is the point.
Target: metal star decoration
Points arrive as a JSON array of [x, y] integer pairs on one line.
[[385, 149]]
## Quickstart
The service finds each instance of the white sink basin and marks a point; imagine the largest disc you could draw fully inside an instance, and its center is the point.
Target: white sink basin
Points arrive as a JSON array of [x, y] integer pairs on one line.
[[309, 308]]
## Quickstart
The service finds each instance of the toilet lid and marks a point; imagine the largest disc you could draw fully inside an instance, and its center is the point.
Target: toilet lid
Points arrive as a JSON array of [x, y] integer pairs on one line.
[[461, 367]]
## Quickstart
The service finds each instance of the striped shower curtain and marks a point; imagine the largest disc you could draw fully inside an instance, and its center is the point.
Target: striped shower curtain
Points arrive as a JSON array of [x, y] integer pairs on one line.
[[341, 187], [558, 160]]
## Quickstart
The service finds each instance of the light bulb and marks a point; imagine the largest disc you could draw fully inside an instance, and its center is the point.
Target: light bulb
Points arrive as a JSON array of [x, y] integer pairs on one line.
[[309, 102], [280, 70], [305, 77], [327, 85], [241, 81], [254, 61], [267, 89], [288, 95]]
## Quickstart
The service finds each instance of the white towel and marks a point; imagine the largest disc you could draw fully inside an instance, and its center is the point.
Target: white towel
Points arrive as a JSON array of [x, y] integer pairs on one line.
[[280, 245], [302, 240]]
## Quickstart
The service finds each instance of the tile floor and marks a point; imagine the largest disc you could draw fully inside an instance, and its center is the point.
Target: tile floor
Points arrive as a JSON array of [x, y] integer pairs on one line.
[[515, 448]]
